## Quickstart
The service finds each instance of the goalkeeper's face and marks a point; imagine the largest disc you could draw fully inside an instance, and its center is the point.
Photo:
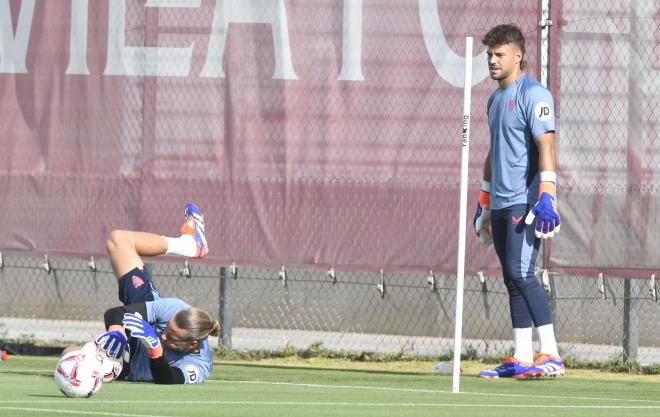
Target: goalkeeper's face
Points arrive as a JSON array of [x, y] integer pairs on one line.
[[504, 61], [178, 339]]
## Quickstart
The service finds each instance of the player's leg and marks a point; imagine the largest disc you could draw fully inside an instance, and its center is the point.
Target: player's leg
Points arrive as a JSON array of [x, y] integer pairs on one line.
[[518, 364], [126, 247], [529, 303], [522, 250]]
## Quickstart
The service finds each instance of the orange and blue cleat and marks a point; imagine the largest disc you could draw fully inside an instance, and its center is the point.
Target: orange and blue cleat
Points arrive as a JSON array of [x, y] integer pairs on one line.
[[546, 365], [194, 226], [510, 368]]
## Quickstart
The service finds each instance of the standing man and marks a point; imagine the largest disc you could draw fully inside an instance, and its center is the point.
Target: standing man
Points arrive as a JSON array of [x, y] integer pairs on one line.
[[518, 204]]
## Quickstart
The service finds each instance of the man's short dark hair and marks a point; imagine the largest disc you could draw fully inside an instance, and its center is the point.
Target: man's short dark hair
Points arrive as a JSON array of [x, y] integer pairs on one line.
[[503, 35]]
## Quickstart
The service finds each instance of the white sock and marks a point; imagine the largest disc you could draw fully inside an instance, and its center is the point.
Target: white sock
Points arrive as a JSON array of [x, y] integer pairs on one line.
[[547, 339], [183, 245], [522, 342]]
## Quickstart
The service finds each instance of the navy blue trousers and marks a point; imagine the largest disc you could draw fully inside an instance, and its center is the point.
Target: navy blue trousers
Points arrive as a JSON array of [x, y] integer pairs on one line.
[[517, 247]]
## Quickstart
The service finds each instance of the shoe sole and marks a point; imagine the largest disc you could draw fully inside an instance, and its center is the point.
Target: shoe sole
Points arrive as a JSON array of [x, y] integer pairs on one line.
[[539, 375], [519, 376]]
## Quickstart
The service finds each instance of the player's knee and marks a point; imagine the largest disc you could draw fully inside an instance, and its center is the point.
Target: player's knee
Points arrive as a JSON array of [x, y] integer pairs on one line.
[[115, 239], [512, 273], [527, 284], [519, 279]]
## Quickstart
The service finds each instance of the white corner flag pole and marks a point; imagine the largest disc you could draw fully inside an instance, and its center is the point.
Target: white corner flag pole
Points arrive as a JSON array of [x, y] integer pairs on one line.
[[462, 216]]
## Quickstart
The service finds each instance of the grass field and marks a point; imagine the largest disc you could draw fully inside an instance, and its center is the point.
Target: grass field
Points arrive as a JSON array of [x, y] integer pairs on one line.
[[317, 387]]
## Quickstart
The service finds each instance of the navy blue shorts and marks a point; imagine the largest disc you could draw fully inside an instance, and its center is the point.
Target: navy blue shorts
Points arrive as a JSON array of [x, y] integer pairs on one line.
[[136, 286]]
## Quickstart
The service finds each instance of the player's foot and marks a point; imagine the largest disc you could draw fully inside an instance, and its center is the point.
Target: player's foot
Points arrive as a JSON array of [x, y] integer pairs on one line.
[[194, 226], [510, 368], [546, 365]]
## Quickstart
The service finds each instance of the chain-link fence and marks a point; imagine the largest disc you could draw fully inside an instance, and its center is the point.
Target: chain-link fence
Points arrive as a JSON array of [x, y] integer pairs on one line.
[[319, 133], [608, 72], [263, 309]]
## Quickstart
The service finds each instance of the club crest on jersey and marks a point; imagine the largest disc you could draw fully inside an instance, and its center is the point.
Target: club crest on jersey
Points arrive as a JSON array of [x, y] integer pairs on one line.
[[137, 281], [542, 111]]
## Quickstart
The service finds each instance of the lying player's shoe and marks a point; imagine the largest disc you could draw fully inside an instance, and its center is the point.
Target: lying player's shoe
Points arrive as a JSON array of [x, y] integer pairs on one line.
[[510, 368], [194, 226], [545, 365]]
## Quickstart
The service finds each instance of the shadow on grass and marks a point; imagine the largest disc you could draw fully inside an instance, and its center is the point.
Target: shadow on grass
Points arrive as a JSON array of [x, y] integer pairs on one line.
[[333, 370], [52, 396]]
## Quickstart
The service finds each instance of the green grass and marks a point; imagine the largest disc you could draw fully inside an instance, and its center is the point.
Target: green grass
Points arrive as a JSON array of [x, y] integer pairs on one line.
[[308, 388]]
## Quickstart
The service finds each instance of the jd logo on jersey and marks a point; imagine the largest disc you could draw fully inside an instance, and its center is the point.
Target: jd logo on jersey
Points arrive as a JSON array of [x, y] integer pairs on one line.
[[192, 373], [542, 111]]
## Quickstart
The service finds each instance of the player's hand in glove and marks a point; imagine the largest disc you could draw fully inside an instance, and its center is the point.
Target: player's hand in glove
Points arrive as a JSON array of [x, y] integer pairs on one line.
[[142, 330], [114, 343], [545, 209], [481, 219]]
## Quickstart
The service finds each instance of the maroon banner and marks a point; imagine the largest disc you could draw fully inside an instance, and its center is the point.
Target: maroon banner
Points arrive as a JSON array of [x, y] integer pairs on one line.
[[311, 133]]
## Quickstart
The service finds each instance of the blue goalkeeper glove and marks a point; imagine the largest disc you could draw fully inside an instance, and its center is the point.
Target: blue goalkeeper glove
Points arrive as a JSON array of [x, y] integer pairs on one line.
[[481, 221], [114, 344], [545, 209], [142, 330]]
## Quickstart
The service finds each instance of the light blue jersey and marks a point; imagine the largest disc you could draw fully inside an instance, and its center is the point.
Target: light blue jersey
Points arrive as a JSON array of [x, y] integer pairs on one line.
[[196, 366], [517, 115]]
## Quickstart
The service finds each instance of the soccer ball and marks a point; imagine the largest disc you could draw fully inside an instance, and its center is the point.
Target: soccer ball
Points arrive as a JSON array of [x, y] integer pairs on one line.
[[111, 367], [79, 373]]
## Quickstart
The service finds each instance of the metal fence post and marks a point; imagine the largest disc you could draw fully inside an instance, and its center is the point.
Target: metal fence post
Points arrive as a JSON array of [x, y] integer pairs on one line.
[[630, 320], [224, 311]]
